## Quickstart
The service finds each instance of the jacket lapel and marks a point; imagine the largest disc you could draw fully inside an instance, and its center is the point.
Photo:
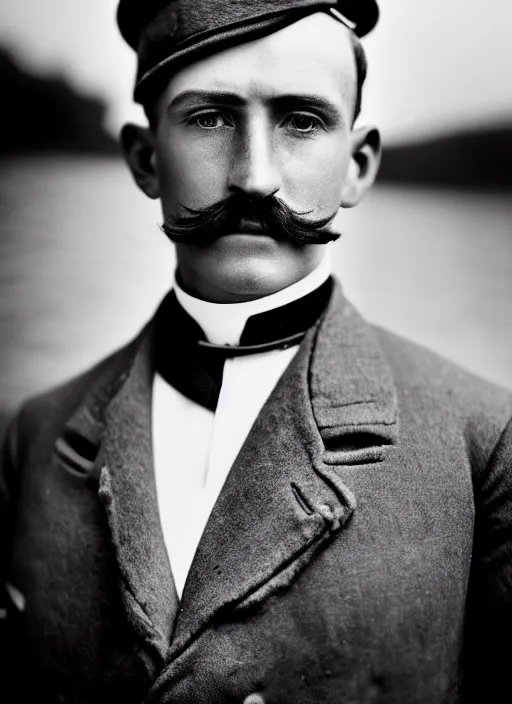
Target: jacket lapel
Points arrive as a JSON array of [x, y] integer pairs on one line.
[[128, 492], [335, 405], [116, 417], [283, 497]]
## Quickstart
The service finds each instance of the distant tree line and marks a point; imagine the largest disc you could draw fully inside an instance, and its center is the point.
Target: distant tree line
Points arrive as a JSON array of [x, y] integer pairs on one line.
[[47, 114], [479, 159]]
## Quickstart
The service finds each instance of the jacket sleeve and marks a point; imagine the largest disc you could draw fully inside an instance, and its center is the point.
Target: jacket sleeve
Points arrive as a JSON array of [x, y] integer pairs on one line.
[[489, 605], [8, 463], [11, 601]]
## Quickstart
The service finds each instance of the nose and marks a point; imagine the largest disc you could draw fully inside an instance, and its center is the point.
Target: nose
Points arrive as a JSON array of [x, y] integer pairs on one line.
[[254, 170]]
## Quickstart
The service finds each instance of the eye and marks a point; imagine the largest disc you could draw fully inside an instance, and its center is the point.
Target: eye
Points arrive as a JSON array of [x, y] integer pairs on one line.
[[303, 123], [212, 121]]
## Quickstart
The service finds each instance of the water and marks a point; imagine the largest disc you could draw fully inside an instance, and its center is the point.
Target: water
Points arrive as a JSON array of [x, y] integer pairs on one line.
[[83, 265]]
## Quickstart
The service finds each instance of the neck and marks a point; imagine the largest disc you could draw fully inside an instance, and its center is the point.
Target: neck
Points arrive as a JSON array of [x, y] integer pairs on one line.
[[223, 323]]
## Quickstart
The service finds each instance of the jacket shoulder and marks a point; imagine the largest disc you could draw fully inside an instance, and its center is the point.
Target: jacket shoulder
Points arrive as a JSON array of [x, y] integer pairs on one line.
[[424, 370], [42, 417], [431, 384]]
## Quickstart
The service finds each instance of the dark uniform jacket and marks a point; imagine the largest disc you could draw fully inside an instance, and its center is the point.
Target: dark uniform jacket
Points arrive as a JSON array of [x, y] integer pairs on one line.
[[360, 550]]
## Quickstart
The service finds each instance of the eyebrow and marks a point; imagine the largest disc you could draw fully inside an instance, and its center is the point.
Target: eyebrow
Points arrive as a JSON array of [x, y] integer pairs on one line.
[[205, 96], [285, 101]]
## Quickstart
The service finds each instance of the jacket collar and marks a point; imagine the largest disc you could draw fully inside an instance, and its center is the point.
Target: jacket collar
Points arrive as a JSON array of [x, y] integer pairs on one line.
[[335, 405], [224, 323], [351, 383]]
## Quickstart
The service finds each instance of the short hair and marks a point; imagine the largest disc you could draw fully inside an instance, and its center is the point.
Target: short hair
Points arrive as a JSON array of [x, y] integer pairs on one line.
[[361, 73]]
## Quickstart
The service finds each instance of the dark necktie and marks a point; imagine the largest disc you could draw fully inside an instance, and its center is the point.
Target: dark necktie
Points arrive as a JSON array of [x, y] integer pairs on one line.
[[194, 367]]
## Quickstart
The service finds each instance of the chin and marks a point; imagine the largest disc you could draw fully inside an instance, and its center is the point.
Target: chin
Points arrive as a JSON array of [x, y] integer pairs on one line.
[[250, 279], [244, 267]]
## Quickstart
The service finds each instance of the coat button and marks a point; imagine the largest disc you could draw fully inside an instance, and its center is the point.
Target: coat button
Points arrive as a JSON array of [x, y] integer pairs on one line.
[[254, 699]]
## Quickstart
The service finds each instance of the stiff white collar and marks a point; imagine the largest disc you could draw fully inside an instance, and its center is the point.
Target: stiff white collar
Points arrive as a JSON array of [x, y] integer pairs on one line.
[[223, 323]]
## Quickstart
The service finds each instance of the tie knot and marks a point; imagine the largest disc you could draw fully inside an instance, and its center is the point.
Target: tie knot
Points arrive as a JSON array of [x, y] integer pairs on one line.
[[194, 366]]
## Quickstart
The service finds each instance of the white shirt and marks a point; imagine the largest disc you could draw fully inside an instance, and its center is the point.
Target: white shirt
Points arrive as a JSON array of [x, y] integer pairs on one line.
[[195, 448]]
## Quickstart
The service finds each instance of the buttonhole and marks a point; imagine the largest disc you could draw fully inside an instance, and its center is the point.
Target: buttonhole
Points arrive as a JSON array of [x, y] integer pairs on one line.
[[301, 500], [353, 442], [81, 445], [76, 453]]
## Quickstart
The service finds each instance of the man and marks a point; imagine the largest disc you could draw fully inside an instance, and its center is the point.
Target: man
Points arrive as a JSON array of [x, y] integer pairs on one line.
[[262, 498]]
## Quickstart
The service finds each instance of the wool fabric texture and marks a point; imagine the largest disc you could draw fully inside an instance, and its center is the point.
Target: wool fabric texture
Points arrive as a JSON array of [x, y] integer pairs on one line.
[[360, 550]]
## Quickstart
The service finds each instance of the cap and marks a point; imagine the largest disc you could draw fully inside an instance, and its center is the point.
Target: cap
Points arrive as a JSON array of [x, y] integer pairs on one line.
[[168, 34]]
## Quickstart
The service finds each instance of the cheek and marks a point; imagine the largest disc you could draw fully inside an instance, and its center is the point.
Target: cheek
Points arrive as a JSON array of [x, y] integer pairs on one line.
[[314, 173], [190, 172]]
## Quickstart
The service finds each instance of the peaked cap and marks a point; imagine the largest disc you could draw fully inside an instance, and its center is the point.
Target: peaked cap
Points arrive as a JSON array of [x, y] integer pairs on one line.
[[168, 34]]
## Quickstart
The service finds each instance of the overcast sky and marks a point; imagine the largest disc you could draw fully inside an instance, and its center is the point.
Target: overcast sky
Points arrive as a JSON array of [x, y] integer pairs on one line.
[[434, 65]]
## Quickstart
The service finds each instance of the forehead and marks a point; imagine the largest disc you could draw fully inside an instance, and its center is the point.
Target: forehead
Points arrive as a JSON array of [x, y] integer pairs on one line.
[[313, 55]]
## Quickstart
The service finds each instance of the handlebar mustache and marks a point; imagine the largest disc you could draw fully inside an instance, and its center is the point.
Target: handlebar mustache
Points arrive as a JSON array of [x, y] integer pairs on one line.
[[276, 218]]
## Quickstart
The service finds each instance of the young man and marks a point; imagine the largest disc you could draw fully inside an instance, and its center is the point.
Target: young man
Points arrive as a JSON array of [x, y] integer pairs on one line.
[[262, 498]]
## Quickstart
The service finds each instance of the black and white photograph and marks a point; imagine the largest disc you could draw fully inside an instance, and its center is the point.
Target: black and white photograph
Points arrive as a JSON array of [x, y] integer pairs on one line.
[[256, 352]]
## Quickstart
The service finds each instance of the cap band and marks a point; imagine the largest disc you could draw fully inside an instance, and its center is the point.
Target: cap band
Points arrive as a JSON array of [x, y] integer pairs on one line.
[[209, 41]]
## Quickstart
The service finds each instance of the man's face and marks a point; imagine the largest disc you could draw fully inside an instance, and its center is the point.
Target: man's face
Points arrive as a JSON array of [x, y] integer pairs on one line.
[[269, 117]]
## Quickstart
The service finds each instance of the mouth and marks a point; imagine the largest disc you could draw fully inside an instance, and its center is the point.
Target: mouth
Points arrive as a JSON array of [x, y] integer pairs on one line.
[[250, 227]]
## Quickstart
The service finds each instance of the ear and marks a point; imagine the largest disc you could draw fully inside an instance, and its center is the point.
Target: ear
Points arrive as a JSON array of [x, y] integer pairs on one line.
[[364, 165], [138, 144]]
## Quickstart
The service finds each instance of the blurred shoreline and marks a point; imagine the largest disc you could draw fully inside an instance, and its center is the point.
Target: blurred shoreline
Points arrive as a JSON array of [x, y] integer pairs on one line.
[[84, 264], [70, 123], [66, 120]]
